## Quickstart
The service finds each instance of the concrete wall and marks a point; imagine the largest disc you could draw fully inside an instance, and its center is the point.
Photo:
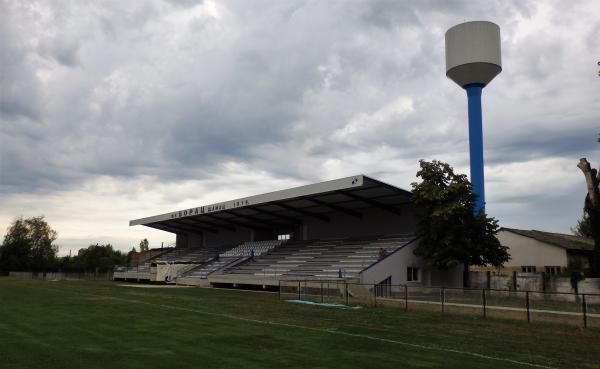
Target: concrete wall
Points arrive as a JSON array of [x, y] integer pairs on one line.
[[527, 251], [533, 282], [225, 237], [375, 221], [208, 239], [396, 264]]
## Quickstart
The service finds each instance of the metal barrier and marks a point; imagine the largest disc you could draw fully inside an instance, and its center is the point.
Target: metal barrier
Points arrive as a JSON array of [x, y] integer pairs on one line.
[[532, 306]]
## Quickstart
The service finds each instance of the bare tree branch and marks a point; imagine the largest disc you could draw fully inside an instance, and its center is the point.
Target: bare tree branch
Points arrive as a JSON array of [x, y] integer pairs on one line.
[[591, 179]]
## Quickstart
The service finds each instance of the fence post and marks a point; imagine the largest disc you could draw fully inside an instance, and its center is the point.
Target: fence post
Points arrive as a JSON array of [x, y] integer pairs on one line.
[[346, 286], [406, 297], [584, 309], [527, 305], [306, 290], [321, 291], [279, 291], [299, 291], [374, 295], [442, 298], [483, 299]]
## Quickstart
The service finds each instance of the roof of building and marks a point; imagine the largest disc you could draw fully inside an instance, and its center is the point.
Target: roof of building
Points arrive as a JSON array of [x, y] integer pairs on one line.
[[283, 208], [566, 241]]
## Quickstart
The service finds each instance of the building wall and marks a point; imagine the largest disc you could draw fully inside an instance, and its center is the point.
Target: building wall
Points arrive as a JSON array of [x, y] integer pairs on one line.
[[375, 221], [526, 251], [138, 258], [396, 265], [224, 237]]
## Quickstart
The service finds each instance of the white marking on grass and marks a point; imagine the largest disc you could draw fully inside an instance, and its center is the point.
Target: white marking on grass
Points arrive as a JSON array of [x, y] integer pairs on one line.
[[326, 330], [341, 333]]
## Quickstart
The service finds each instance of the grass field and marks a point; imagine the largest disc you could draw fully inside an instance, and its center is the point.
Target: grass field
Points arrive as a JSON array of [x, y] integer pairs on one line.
[[77, 324]]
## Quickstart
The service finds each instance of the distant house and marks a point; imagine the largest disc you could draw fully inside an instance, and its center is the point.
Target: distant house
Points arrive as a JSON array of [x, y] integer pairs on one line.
[[534, 251]]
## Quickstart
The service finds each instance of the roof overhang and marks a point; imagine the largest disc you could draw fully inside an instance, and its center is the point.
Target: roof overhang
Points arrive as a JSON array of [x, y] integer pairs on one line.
[[285, 208]]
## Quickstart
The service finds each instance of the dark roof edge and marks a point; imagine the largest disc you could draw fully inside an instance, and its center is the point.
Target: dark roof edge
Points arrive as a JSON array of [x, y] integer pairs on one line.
[[575, 243]]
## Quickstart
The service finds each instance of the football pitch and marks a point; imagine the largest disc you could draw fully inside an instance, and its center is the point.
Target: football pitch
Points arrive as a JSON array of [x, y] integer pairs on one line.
[[83, 324]]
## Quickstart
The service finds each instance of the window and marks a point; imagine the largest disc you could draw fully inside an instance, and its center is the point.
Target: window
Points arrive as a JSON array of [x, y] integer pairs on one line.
[[528, 269], [283, 237], [552, 270], [412, 274]]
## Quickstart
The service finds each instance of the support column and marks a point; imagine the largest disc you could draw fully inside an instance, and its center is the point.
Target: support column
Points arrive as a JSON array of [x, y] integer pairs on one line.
[[476, 144]]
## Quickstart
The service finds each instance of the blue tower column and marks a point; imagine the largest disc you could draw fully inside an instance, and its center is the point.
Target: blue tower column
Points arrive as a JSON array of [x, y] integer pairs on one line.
[[476, 144]]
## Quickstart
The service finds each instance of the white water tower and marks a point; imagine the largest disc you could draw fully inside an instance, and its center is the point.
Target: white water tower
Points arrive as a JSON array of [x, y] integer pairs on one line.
[[472, 61]]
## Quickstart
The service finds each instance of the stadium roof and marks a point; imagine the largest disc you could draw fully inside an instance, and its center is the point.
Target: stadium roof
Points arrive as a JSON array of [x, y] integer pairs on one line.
[[285, 208]]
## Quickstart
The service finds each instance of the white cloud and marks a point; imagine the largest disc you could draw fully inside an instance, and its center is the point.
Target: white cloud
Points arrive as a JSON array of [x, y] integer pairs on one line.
[[122, 110]]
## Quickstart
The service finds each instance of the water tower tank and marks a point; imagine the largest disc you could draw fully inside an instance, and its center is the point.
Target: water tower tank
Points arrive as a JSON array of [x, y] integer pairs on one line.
[[473, 53], [472, 61]]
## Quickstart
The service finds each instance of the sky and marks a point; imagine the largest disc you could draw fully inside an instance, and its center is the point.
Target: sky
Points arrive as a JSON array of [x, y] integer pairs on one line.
[[118, 110]]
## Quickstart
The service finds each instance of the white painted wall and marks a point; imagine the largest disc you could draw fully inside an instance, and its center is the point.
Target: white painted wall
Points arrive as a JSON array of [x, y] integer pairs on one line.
[[396, 264], [528, 251]]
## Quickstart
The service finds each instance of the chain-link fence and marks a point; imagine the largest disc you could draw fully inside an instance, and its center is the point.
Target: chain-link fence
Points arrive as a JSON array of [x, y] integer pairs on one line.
[[62, 276], [568, 308]]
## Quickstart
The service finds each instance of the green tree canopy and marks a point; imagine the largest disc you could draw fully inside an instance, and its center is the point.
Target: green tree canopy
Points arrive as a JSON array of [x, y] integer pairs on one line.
[[144, 245], [28, 245], [99, 258], [450, 234], [583, 228]]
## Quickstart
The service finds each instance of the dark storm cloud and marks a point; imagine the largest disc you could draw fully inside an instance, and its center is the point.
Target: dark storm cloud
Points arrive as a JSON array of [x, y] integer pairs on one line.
[[534, 144], [177, 90], [19, 97]]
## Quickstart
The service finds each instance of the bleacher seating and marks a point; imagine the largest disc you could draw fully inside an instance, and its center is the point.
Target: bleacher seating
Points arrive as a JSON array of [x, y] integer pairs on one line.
[[236, 253], [202, 271], [312, 258], [192, 256], [259, 247], [321, 258]]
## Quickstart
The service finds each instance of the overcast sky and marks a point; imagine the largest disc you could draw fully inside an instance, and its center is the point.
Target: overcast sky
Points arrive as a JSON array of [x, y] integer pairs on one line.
[[117, 110]]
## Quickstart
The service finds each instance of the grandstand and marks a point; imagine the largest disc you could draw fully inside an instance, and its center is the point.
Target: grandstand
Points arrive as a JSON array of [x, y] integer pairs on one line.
[[355, 228], [323, 259]]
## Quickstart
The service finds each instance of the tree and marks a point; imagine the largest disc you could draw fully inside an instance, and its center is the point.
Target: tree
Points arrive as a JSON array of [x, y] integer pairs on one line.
[[583, 228], [450, 234], [591, 209], [144, 245], [28, 245], [98, 258], [130, 255]]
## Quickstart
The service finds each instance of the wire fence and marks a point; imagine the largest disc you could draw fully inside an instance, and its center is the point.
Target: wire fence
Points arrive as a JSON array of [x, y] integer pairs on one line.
[[63, 276], [566, 308]]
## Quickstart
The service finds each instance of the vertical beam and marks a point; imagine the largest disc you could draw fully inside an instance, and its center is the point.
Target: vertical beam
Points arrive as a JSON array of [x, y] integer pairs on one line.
[[584, 310], [476, 144]]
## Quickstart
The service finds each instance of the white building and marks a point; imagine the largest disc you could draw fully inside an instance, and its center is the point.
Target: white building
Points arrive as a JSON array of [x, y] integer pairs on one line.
[[534, 251]]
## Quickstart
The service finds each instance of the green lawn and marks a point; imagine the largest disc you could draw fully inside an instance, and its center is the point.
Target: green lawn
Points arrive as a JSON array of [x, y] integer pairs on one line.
[[78, 324]]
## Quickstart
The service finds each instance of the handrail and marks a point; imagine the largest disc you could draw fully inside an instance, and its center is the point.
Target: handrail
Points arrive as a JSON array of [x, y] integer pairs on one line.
[[388, 255], [225, 266]]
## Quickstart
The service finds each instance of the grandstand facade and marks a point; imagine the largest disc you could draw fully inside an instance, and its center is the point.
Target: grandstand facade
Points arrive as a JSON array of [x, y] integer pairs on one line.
[[355, 228]]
